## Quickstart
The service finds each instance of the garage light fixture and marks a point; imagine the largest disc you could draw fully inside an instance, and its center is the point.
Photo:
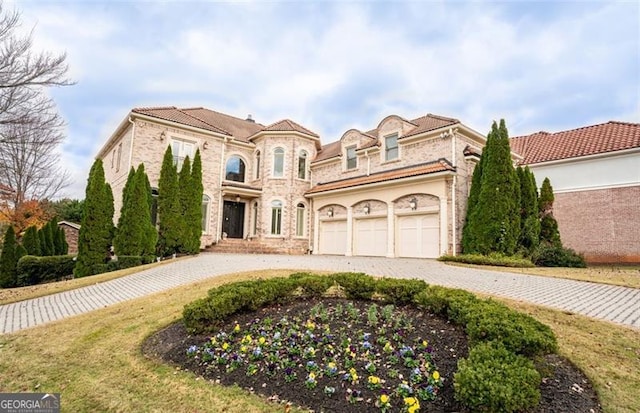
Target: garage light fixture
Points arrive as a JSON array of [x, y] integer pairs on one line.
[[413, 203], [330, 212], [367, 209]]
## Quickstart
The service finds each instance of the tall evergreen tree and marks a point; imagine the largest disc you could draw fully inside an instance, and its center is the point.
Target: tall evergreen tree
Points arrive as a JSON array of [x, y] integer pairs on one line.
[[529, 216], [194, 213], [47, 247], [96, 230], [169, 210], [496, 219], [9, 260], [184, 187], [549, 232], [62, 247], [31, 241], [42, 240], [135, 234], [468, 241]]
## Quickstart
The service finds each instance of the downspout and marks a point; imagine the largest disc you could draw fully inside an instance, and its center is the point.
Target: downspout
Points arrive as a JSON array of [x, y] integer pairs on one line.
[[133, 133], [453, 190], [220, 211]]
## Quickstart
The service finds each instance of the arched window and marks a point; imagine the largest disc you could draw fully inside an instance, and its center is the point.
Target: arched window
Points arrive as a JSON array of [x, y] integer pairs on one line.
[[302, 165], [276, 217], [205, 213], [154, 206], [254, 227], [235, 169], [300, 219], [258, 165], [278, 163]]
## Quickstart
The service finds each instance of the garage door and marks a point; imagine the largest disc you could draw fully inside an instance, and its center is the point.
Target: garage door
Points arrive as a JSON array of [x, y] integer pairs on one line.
[[333, 237], [419, 236], [371, 237]]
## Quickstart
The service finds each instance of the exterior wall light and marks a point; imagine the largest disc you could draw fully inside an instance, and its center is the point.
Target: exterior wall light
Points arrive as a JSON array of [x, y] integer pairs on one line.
[[367, 209], [163, 135], [413, 203], [330, 212]]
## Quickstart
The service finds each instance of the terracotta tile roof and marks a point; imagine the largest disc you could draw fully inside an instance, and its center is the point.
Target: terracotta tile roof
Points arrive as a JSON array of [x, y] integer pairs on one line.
[[422, 124], [288, 125], [173, 114], [440, 165], [239, 128], [589, 140]]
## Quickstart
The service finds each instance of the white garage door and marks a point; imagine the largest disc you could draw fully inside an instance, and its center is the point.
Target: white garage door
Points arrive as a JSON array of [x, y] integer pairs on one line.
[[371, 237], [419, 236], [333, 237]]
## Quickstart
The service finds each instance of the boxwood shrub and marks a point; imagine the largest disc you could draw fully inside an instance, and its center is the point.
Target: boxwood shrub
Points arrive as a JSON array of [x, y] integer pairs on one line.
[[35, 270], [399, 291], [357, 286], [497, 259], [493, 379], [313, 285]]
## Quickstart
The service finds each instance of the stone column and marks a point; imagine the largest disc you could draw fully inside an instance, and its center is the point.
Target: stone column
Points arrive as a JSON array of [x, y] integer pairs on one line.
[[391, 231]]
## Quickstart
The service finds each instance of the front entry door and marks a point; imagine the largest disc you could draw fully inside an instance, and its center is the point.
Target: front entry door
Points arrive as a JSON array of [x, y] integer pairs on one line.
[[233, 219]]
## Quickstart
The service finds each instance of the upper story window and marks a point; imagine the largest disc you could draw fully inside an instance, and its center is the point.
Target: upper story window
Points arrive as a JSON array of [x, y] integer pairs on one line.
[[235, 169], [180, 150], [302, 165], [352, 159], [278, 163], [391, 147], [258, 165], [119, 157]]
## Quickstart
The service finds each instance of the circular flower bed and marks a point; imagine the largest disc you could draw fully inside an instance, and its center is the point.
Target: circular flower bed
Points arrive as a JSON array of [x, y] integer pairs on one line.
[[331, 353]]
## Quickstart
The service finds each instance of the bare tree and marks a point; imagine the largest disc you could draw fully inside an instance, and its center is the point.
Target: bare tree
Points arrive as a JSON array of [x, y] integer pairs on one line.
[[30, 127]]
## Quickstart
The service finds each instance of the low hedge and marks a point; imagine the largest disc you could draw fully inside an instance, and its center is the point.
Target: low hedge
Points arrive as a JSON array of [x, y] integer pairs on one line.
[[498, 375], [499, 260], [549, 255], [493, 379], [33, 270]]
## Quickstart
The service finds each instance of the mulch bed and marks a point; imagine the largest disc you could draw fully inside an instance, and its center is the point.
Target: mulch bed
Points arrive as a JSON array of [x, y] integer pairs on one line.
[[564, 389]]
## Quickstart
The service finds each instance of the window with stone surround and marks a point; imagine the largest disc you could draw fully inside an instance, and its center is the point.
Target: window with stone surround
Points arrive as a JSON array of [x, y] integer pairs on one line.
[[302, 165], [352, 159], [257, 163], [235, 169], [391, 147], [276, 217], [180, 149], [278, 163], [300, 219], [206, 201]]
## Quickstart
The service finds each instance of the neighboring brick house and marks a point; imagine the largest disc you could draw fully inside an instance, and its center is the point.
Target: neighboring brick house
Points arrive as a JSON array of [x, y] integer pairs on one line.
[[397, 190], [595, 174], [71, 233]]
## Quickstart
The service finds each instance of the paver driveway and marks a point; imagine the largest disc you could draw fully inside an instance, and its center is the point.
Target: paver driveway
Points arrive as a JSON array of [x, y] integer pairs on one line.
[[617, 304]]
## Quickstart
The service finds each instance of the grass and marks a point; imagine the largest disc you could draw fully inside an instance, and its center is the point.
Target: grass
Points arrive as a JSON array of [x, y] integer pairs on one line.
[[627, 276], [95, 361], [12, 295]]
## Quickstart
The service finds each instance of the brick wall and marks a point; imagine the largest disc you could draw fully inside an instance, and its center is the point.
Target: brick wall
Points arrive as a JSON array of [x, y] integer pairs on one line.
[[604, 224]]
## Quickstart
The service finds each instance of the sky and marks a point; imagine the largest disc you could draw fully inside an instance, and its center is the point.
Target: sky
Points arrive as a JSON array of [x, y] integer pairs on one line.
[[336, 65]]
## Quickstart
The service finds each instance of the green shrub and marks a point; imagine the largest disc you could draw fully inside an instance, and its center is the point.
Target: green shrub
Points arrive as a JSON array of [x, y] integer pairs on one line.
[[399, 292], [312, 285], [553, 255], [518, 332], [454, 304], [497, 259], [224, 301], [357, 286], [35, 270], [493, 379]]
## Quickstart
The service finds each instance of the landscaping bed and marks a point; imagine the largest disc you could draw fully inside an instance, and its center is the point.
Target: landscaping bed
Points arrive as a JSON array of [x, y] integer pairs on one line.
[[401, 356]]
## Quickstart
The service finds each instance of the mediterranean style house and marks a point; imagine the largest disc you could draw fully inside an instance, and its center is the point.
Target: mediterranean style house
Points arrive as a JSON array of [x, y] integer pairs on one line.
[[595, 174], [398, 190]]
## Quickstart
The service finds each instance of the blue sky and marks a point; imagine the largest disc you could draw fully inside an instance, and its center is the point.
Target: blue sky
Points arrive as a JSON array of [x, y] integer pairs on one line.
[[332, 66]]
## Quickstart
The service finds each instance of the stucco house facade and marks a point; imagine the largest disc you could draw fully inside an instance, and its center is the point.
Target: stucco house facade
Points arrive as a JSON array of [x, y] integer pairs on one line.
[[397, 190], [595, 174]]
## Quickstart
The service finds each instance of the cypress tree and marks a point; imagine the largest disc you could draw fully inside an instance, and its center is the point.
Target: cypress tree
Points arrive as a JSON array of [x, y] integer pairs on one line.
[[123, 209], [9, 260], [194, 214], [55, 237], [496, 219], [42, 241], [549, 232], [96, 231], [31, 241], [61, 241], [529, 217], [150, 234], [184, 186], [468, 241], [169, 216]]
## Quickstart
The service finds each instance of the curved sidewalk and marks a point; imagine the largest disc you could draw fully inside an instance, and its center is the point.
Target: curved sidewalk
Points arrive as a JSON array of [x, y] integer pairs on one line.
[[618, 304]]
